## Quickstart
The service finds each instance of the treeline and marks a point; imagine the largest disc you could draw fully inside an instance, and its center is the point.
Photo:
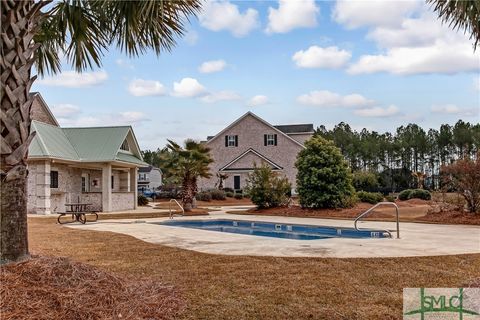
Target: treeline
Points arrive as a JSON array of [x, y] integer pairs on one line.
[[407, 157]]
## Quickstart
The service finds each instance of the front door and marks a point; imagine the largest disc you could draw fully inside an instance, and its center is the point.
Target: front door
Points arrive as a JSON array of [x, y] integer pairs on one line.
[[236, 182]]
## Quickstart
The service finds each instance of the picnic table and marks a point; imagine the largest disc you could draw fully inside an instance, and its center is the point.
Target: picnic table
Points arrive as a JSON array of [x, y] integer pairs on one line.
[[78, 211]]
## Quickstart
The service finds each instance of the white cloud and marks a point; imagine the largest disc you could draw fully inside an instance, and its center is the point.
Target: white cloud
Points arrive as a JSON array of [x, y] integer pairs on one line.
[[356, 13], [292, 14], [454, 110], [378, 112], [419, 45], [222, 15], [126, 118], [188, 87], [327, 99], [142, 88], [212, 66], [65, 110], [220, 96], [191, 38], [258, 100], [318, 57], [72, 79], [124, 64]]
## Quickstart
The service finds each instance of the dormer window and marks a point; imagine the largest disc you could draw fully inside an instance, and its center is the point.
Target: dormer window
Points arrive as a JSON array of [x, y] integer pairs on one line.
[[270, 139], [125, 146], [231, 141]]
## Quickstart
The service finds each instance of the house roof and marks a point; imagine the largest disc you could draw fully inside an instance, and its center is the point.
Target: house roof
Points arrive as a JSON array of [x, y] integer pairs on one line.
[[249, 113], [44, 105], [97, 144], [296, 128], [149, 169], [250, 150]]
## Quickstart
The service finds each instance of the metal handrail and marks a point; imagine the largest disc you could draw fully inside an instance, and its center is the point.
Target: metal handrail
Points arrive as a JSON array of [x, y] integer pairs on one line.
[[170, 207], [372, 208]]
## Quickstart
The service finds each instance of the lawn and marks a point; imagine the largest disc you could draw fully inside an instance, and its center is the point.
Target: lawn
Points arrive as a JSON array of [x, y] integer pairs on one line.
[[242, 287]]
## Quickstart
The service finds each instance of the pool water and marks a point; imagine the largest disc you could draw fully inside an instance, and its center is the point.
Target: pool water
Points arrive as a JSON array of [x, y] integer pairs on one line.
[[276, 230]]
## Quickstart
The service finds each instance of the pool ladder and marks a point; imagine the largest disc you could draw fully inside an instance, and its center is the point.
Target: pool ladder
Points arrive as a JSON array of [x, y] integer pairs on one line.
[[375, 206], [170, 207]]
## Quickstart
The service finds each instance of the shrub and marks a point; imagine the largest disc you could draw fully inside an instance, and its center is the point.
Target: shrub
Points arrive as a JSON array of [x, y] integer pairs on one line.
[[266, 188], [203, 196], [390, 198], [323, 179], [217, 194], [405, 194], [228, 190], [370, 197], [365, 181], [420, 194], [142, 200], [239, 196], [229, 194]]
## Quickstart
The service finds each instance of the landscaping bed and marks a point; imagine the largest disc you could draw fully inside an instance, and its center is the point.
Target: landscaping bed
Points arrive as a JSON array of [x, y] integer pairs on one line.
[[58, 288]]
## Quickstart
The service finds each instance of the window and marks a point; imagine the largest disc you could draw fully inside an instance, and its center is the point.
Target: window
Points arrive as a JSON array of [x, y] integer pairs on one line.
[[231, 141], [270, 139], [85, 182], [53, 179], [125, 146], [113, 182]]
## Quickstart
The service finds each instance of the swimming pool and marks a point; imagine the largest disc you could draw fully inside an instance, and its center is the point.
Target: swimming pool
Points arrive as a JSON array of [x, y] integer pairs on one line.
[[276, 230]]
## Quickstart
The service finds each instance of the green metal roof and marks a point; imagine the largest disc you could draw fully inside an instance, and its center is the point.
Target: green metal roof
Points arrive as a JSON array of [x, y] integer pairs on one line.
[[96, 144]]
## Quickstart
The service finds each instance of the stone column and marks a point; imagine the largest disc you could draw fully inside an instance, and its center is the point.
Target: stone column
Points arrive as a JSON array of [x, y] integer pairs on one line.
[[107, 187], [133, 185], [43, 205]]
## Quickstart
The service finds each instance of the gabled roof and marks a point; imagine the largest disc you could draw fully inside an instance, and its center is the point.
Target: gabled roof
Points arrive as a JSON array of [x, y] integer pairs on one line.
[[250, 150], [97, 144], [296, 128], [37, 95], [149, 169], [249, 113]]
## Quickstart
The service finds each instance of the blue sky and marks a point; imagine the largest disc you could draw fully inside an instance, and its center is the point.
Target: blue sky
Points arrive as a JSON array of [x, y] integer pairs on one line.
[[371, 64]]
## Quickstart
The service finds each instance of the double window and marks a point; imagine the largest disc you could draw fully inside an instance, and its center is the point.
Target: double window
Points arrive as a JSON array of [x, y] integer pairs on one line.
[[270, 139], [231, 141]]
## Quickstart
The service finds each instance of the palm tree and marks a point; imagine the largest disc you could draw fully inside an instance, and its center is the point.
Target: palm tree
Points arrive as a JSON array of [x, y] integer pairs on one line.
[[464, 14], [187, 164], [38, 33]]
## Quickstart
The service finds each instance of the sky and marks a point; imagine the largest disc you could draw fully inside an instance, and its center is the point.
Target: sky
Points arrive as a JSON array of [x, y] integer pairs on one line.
[[372, 64]]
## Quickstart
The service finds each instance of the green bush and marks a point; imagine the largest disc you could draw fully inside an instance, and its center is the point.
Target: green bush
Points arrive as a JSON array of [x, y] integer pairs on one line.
[[323, 179], [420, 194], [227, 190], [217, 194], [405, 194], [266, 188], [203, 196], [239, 196], [370, 197], [229, 194], [142, 200], [414, 194], [390, 198], [365, 181]]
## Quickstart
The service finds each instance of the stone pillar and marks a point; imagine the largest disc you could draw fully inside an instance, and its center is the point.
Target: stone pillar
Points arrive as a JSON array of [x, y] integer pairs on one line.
[[133, 185], [43, 205], [129, 183], [107, 187]]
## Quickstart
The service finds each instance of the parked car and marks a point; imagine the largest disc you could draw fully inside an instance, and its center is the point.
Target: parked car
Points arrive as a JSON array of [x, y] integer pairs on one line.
[[149, 193]]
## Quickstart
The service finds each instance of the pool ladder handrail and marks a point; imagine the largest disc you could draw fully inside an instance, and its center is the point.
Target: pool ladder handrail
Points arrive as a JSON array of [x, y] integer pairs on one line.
[[170, 207], [375, 206]]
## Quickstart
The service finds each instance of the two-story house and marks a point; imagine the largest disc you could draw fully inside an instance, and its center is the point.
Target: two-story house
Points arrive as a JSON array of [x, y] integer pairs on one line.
[[251, 140], [149, 178]]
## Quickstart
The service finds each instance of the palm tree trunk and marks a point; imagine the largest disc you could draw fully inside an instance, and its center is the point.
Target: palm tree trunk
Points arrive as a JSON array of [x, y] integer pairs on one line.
[[19, 22]]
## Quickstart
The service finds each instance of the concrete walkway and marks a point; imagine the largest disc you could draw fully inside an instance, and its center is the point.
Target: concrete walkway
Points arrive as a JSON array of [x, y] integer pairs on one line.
[[417, 239]]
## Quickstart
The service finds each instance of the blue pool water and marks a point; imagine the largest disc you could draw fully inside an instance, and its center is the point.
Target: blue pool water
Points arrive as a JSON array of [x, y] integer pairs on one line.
[[276, 230]]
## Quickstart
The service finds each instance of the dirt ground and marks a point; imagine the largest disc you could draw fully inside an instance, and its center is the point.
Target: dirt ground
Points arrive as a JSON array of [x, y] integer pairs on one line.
[[243, 287]]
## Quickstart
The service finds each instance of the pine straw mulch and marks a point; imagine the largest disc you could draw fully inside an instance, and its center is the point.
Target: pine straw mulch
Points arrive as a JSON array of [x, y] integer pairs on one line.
[[414, 210], [58, 288]]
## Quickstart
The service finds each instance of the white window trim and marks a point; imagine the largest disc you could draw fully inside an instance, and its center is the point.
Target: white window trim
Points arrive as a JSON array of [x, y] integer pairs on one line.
[[231, 140], [270, 139]]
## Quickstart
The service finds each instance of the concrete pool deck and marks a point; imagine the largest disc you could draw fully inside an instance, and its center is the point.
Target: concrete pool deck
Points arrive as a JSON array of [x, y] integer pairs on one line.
[[416, 239]]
